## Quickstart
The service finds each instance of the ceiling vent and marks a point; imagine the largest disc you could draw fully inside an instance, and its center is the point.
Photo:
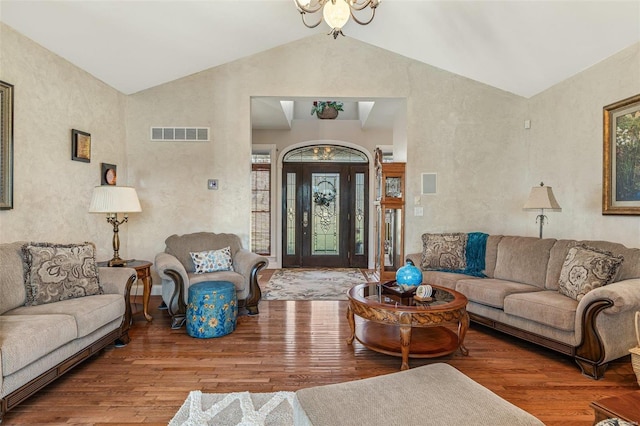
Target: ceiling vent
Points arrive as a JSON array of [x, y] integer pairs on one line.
[[180, 134]]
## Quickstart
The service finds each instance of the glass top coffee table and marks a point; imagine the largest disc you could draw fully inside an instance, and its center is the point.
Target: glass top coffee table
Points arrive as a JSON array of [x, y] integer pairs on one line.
[[394, 323]]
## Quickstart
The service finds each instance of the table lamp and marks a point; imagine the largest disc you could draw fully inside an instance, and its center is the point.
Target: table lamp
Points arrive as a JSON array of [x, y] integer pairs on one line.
[[541, 197], [113, 200]]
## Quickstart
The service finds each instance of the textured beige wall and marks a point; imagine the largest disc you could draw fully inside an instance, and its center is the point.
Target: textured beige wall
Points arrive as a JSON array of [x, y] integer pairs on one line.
[[564, 148], [51, 192], [469, 135], [466, 131]]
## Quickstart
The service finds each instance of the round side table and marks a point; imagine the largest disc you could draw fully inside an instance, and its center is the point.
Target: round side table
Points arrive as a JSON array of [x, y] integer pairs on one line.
[[143, 270]]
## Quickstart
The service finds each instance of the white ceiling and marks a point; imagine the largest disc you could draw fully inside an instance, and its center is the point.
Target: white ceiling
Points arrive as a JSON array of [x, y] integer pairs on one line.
[[523, 47]]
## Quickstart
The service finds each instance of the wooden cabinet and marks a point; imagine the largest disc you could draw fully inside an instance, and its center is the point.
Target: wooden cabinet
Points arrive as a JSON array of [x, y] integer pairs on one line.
[[389, 191]]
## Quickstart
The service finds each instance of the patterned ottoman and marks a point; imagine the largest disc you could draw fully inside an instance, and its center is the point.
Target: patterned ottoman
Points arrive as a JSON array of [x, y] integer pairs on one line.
[[212, 309]]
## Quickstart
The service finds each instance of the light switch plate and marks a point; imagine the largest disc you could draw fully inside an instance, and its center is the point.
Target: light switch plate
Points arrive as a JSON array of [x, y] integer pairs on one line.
[[418, 211], [212, 184]]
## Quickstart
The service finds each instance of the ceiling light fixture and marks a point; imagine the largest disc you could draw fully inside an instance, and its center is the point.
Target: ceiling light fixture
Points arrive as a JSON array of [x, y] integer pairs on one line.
[[336, 12]]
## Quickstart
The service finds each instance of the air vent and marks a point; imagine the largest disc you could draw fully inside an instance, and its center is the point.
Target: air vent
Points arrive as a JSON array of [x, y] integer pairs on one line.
[[180, 134]]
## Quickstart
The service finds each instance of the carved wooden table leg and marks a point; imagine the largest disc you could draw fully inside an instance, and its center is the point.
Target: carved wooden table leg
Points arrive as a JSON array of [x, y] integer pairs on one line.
[[352, 325], [405, 339], [463, 326], [148, 284]]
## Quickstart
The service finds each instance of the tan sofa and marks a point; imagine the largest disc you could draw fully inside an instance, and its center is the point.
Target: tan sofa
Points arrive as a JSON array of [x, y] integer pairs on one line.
[[40, 343], [177, 270], [520, 296]]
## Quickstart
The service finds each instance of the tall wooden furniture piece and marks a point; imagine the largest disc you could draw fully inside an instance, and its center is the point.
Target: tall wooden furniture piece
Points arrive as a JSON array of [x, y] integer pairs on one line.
[[389, 193]]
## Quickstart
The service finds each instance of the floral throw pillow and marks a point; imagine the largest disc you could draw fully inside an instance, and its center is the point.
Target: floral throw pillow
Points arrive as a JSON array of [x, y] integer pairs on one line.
[[212, 260], [586, 268], [55, 272], [444, 251]]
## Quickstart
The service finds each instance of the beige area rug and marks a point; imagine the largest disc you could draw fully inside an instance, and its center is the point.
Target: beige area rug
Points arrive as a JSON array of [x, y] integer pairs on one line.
[[311, 284], [238, 408]]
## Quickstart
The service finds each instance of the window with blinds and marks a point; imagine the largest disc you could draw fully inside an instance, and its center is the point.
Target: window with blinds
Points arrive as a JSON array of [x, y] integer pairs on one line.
[[261, 204]]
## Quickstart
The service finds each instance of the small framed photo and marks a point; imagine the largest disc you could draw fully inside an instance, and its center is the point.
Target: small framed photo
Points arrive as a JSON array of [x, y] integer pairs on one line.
[[108, 174], [80, 146]]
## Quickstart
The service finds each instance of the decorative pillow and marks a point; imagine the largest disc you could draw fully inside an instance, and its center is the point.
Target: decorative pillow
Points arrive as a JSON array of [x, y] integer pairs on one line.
[[444, 251], [586, 268], [55, 272], [614, 422], [212, 260]]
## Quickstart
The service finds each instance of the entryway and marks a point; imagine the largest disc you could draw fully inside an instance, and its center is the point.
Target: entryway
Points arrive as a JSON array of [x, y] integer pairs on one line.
[[324, 207]]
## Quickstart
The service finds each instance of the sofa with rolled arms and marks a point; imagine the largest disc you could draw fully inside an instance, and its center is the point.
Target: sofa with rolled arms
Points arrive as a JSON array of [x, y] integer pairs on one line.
[[575, 297], [205, 256], [57, 309]]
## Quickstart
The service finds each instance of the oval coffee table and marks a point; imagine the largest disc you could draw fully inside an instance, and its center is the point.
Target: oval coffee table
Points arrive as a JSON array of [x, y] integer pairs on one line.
[[412, 330]]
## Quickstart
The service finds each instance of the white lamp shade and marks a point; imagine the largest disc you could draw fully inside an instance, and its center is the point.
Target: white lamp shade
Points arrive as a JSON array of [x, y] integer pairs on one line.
[[114, 199], [337, 14], [541, 197]]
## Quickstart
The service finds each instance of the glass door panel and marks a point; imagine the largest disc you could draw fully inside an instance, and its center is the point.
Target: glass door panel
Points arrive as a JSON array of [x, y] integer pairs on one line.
[[359, 214], [325, 211], [290, 209]]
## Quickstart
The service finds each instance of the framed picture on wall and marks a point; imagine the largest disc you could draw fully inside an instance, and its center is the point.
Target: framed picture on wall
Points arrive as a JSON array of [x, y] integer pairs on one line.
[[621, 157], [80, 146], [6, 146], [108, 174]]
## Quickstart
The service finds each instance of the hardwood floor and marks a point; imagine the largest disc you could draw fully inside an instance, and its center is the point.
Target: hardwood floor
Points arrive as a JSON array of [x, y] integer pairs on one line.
[[292, 345]]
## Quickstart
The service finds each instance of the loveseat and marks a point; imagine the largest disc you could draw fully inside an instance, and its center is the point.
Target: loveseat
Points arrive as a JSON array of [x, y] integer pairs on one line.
[[220, 258], [525, 287], [47, 327]]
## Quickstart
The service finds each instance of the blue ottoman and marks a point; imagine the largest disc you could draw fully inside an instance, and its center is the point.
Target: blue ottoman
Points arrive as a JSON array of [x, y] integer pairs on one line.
[[212, 309]]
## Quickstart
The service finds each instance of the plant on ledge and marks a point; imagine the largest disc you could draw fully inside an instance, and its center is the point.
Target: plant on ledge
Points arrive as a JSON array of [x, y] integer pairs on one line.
[[322, 108]]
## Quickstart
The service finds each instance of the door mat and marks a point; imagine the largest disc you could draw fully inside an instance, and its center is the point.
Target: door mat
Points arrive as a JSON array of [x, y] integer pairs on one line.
[[312, 284]]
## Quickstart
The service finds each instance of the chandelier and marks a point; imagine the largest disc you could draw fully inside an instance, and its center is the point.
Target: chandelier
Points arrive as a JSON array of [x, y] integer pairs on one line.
[[336, 12]]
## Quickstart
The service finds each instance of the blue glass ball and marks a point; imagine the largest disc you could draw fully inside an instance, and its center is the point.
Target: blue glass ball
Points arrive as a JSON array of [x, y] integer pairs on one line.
[[409, 274]]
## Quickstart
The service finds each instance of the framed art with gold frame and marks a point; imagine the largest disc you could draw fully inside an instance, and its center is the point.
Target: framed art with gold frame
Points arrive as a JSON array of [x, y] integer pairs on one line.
[[80, 146], [621, 157], [6, 146]]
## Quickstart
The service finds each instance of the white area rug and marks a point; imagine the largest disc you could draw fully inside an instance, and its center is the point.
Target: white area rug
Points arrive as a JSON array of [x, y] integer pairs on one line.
[[238, 408], [312, 284]]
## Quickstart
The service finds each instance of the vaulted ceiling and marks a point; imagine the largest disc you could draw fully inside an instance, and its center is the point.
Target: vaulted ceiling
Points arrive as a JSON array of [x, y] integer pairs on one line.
[[523, 47]]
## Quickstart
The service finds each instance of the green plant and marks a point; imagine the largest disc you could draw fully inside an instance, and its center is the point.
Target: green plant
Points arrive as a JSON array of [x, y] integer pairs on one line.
[[319, 106]]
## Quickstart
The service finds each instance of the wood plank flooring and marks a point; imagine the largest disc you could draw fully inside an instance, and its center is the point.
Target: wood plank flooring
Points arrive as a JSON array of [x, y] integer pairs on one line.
[[292, 345]]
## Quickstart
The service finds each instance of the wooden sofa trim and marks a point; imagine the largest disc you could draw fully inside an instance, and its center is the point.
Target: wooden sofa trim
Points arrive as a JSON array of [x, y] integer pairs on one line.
[[589, 354], [120, 336], [250, 303]]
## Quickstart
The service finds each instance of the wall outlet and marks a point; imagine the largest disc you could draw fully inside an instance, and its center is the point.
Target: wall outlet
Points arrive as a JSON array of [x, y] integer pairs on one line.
[[212, 184], [418, 211]]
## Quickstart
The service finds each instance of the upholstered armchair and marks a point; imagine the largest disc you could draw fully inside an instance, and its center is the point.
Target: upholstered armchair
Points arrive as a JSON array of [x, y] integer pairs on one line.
[[178, 271]]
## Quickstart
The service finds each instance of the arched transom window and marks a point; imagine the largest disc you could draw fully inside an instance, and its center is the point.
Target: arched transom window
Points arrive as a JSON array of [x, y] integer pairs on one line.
[[326, 153]]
